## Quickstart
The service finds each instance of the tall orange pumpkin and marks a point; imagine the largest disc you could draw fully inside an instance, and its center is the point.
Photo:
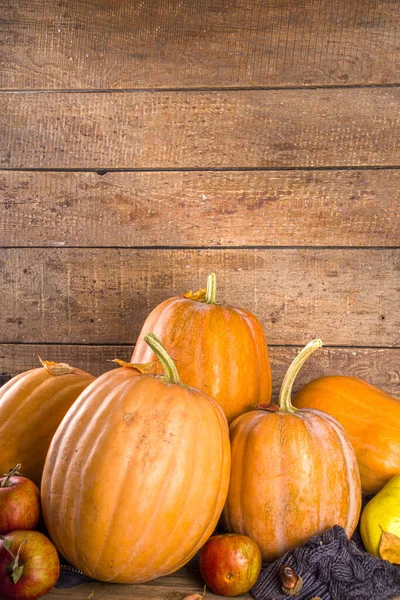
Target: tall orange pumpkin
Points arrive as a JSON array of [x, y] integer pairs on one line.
[[32, 405], [137, 474], [294, 473], [217, 348]]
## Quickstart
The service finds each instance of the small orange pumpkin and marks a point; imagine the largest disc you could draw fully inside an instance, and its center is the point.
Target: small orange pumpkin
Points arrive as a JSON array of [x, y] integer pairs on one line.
[[32, 405], [294, 473], [370, 417], [137, 474], [217, 348]]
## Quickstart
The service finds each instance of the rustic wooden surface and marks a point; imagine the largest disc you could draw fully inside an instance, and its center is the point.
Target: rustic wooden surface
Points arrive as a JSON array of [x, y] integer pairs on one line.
[[197, 43], [173, 587], [203, 130], [103, 295], [145, 144], [200, 208]]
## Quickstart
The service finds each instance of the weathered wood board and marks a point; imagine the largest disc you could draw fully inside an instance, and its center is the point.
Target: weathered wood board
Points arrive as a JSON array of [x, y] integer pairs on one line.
[[201, 208], [201, 43], [203, 130], [100, 296], [172, 587]]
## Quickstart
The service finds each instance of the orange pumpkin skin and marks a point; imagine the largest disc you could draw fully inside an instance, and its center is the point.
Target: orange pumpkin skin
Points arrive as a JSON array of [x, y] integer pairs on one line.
[[32, 405], [136, 477], [218, 349], [294, 474], [371, 419]]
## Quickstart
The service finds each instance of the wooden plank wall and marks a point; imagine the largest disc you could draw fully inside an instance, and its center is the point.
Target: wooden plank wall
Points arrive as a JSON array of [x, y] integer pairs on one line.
[[145, 144]]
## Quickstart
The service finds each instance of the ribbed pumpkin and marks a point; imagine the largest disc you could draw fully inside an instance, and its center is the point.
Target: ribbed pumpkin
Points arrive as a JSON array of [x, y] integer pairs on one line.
[[137, 475], [371, 419], [294, 473], [217, 348], [32, 405]]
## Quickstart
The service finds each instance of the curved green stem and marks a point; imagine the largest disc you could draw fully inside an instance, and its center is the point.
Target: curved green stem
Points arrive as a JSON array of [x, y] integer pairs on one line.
[[171, 374], [285, 394], [211, 293]]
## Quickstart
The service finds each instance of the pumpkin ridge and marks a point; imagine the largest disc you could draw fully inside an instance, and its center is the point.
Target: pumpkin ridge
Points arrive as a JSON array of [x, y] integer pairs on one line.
[[102, 410], [150, 326], [42, 398], [164, 483], [216, 512], [256, 352], [315, 429], [256, 328], [62, 394], [32, 386], [56, 447], [212, 515], [349, 459]]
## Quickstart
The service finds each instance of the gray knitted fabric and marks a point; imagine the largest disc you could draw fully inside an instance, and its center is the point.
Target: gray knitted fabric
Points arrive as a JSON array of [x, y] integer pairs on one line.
[[332, 568]]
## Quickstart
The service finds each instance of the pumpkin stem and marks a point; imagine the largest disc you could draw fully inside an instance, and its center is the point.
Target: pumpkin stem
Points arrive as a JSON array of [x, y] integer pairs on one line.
[[285, 394], [211, 293], [171, 374]]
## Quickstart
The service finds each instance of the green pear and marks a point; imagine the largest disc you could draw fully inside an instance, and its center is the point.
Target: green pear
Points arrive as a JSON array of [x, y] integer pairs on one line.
[[382, 513]]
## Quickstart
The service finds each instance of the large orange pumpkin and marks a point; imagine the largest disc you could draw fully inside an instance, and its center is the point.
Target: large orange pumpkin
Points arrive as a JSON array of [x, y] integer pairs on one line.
[[371, 419], [32, 405], [294, 473], [137, 475], [217, 348]]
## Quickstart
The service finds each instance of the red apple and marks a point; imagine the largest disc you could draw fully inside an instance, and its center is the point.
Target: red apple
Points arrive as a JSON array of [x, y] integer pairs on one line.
[[29, 565], [230, 563], [19, 502]]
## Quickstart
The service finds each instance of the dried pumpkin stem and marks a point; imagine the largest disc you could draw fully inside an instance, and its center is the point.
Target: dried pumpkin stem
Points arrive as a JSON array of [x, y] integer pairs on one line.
[[285, 394], [171, 374], [211, 293]]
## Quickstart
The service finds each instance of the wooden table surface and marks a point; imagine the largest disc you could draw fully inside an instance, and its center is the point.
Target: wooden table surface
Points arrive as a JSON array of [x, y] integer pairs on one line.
[[173, 587]]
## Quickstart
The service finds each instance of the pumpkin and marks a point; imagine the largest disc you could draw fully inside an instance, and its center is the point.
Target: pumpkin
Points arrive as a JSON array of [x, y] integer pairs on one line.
[[32, 405], [217, 348], [294, 473], [137, 474], [371, 419]]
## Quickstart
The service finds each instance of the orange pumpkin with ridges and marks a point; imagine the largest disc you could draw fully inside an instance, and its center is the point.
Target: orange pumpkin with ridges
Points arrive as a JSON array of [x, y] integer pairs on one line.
[[137, 475], [370, 417], [294, 474], [32, 405], [217, 348]]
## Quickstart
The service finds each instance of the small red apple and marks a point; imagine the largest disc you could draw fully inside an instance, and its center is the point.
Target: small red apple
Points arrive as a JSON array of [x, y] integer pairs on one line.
[[230, 563], [29, 565], [19, 502]]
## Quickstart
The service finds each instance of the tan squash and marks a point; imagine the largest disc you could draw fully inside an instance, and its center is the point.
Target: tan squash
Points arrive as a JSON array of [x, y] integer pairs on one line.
[[137, 475], [217, 348], [370, 417], [32, 405], [294, 473]]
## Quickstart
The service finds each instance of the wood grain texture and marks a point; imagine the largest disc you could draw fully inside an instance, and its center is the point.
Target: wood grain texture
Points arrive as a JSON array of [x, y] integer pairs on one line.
[[379, 366], [178, 130], [197, 43], [172, 587], [345, 297], [200, 209]]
